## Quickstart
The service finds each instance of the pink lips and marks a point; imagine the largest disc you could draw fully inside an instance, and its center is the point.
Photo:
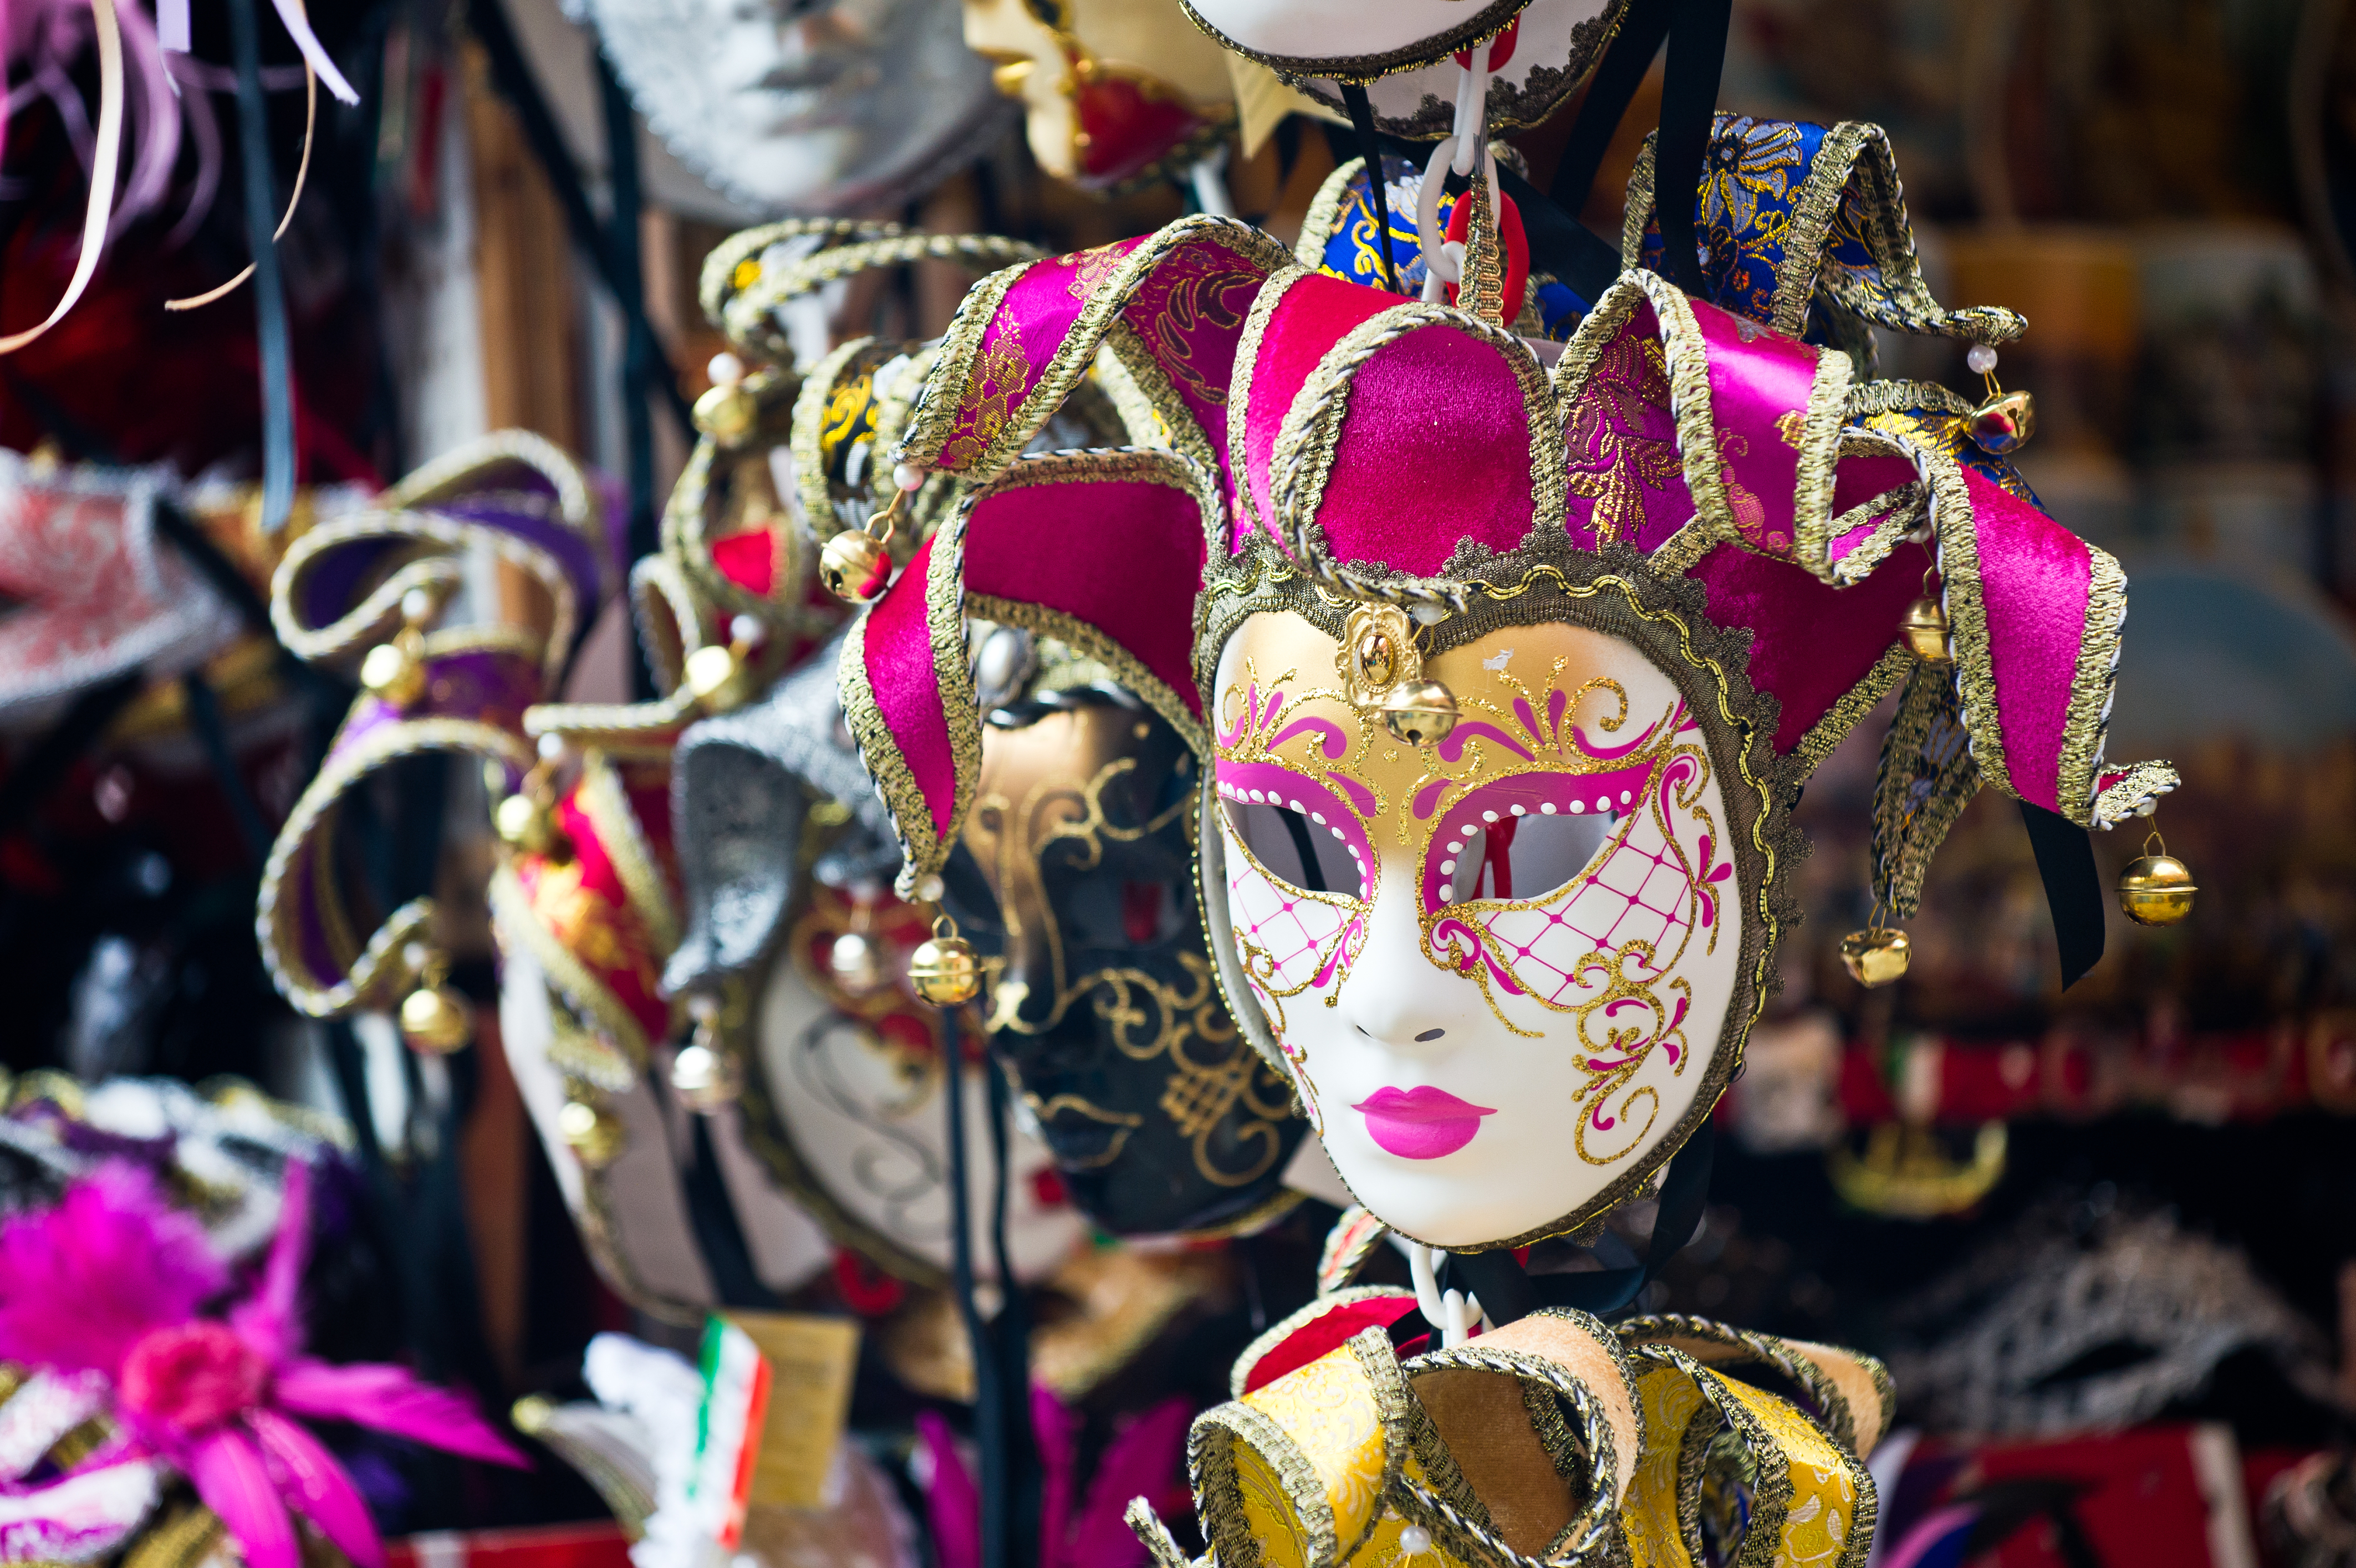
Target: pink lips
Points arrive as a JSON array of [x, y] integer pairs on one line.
[[1420, 1123]]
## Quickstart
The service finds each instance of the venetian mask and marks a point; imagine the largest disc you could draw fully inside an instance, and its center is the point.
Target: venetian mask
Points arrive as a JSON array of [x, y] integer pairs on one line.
[[1504, 678], [1074, 881], [1453, 945], [1113, 92], [844, 1071], [1536, 52], [830, 107]]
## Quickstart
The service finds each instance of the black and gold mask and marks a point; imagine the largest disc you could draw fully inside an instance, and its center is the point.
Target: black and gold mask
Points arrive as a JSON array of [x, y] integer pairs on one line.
[[1074, 881]]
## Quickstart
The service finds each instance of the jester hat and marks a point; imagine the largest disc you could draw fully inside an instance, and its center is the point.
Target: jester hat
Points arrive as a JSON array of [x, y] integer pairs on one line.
[[1733, 502]]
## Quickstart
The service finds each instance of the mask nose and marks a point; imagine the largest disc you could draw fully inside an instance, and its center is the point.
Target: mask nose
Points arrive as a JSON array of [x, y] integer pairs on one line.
[[1393, 993]]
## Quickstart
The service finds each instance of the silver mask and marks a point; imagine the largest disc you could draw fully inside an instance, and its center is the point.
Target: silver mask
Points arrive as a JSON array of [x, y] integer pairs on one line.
[[803, 106]]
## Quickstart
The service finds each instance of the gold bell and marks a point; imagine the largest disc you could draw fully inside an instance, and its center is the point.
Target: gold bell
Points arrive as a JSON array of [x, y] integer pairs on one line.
[[593, 1133], [1419, 711], [855, 566], [727, 413], [1924, 626], [436, 1020], [1875, 956], [855, 963], [704, 1078], [2156, 888], [2002, 425], [525, 823], [395, 672], [718, 677], [944, 968]]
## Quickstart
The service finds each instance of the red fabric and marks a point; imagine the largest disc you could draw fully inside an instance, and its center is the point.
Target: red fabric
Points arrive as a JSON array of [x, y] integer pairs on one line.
[[1812, 643], [1128, 126], [1125, 556], [748, 559], [908, 689], [1517, 248], [1325, 1334], [1436, 430], [1313, 314], [2034, 576], [598, 1545], [2143, 1501]]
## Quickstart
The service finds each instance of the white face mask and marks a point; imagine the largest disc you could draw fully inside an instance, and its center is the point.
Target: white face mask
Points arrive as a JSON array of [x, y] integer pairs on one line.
[[1491, 968], [803, 105], [852, 1096]]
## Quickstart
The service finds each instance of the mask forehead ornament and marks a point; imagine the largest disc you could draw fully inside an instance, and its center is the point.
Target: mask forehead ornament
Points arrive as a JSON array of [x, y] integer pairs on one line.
[[1658, 584]]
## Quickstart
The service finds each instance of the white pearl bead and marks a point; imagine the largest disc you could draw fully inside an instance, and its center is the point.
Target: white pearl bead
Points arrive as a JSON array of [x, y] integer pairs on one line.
[[551, 748], [747, 630], [909, 476], [725, 369], [1415, 1540], [1981, 358], [417, 606]]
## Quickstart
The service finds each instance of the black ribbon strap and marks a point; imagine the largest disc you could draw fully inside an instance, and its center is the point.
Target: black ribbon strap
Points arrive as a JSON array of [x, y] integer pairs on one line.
[[989, 1394], [1688, 110], [1642, 29], [2073, 888], [269, 290], [1370, 148], [511, 74], [1010, 1333], [1506, 1292]]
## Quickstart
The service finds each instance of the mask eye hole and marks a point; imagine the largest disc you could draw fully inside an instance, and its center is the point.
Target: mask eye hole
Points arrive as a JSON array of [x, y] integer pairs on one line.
[[1294, 849], [1523, 858]]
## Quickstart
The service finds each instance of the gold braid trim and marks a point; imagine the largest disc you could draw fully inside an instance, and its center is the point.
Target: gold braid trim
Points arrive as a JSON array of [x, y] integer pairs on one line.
[[1957, 548], [189, 1536], [1802, 1472], [1255, 1352], [1263, 309], [1925, 778], [1892, 667], [1301, 464], [857, 357], [308, 826], [1325, 211], [2125, 795], [457, 474], [1125, 465], [746, 313], [1852, 165], [1831, 1376], [434, 563], [925, 849], [932, 421], [602, 799], [687, 517], [671, 617], [1149, 392], [2090, 685], [1477, 29], [571, 980]]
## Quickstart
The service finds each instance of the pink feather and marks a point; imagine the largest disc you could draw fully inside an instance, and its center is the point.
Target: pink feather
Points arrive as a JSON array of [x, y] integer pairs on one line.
[[267, 1320], [1145, 1460], [317, 1486], [387, 1398], [952, 1502], [82, 1282], [231, 1477]]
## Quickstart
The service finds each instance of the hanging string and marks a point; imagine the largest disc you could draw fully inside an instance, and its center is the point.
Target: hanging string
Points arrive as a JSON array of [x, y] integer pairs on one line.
[[104, 166], [302, 171], [269, 290]]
